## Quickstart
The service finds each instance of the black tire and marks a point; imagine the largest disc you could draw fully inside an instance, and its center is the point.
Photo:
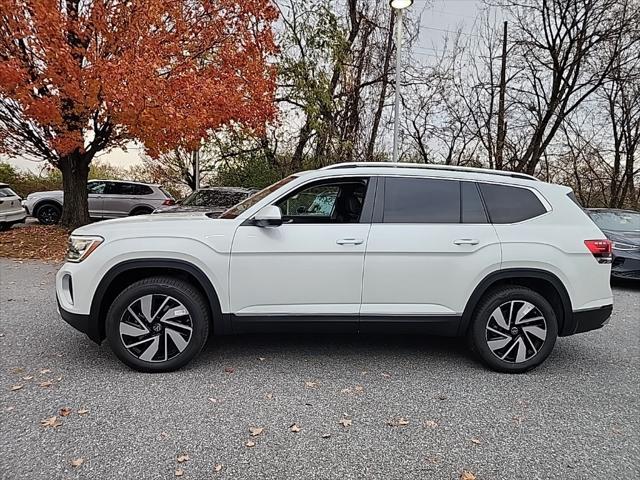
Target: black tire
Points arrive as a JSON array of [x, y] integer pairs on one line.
[[4, 226], [49, 213], [536, 350], [140, 211], [177, 290]]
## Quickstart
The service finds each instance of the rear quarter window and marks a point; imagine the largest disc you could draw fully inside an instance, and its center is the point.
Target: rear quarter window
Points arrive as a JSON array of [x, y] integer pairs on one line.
[[7, 192], [507, 204]]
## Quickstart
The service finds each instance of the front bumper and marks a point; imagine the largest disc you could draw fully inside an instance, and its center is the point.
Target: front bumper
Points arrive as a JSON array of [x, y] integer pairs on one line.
[[592, 319], [82, 323]]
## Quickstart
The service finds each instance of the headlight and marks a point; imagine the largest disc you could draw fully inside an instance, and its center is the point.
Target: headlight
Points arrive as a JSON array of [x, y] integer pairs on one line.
[[80, 247], [624, 246]]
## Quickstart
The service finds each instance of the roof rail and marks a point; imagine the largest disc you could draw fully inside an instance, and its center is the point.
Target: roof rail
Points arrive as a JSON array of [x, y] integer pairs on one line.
[[430, 166]]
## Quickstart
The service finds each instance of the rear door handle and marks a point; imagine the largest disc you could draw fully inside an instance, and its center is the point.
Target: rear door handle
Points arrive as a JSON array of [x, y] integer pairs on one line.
[[349, 241], [466, 241]]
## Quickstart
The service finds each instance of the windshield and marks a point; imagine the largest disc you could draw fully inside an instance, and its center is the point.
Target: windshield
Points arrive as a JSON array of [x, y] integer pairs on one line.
[[214, 198], [236, 210], [617, 221]]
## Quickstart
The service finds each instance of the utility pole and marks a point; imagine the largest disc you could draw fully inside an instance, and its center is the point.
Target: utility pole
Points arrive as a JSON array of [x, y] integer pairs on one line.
[[196, 168], [502, 127]]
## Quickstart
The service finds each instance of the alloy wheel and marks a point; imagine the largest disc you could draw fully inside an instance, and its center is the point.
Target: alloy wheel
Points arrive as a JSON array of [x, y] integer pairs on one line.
[[156, 328], [516, 331], [48, 215]]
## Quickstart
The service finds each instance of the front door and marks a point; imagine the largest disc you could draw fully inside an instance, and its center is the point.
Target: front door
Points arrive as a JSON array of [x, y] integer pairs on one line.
[[430, 244], [308, 271], [96, 191]]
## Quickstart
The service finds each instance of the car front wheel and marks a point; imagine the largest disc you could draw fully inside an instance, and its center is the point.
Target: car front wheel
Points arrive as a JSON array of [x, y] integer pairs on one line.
[[514, 329], [158, 324]]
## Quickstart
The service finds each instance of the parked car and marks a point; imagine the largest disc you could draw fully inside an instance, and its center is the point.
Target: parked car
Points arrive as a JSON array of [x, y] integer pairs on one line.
[[107, 199], [622, 227], [11, 211], [504, 259], [209, 200]]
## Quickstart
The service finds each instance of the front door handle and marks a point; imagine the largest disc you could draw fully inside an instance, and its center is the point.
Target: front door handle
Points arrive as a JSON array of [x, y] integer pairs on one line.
[[350, 241], [466, 241]]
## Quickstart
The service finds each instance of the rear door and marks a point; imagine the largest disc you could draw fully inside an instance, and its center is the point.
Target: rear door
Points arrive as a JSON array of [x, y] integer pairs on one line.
[[430, 245], [96, 190], [122, 197]]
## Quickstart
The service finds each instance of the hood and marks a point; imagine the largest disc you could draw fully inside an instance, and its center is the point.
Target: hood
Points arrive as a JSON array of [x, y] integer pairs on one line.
[[48, 193], [140, 225], [632, 238]]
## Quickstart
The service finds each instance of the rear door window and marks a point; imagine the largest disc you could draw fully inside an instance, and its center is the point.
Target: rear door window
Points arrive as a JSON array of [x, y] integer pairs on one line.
[[472, 207], [421, 200], [508, 204]]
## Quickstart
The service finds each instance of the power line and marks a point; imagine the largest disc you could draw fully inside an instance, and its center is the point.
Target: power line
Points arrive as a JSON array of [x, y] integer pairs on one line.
[[449, 31]]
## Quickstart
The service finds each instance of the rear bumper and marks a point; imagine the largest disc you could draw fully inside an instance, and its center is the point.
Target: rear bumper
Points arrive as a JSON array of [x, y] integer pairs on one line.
[[82, 323], [14, 216], [592, 319]]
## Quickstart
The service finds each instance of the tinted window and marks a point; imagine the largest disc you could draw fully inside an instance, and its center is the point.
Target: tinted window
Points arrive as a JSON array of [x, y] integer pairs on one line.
[[421, 200], [335, 202], [510, 204], [215, 198], [118, 188], [472, 208], [96, 187]]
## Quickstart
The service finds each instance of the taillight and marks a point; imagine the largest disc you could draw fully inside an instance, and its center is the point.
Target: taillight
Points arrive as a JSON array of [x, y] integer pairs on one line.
[[169, 201], [601, 249]]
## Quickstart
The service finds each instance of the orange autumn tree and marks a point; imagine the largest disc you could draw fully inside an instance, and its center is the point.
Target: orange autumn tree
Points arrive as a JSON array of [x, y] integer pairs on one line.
[[78, 77]]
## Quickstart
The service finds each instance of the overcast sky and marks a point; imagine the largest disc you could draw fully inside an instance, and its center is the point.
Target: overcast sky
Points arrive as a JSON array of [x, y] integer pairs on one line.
[[438, 18]]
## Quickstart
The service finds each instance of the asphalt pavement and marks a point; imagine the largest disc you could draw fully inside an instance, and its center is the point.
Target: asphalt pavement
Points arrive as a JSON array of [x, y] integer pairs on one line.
[[382, 407]]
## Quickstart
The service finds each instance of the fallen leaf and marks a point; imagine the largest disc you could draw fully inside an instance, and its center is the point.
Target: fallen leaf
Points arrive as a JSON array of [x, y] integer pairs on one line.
[[28, 377], [46, 384], [326, 435], [229, 369], [345, 422], [441, 397], [476, 441], [183, 457], [359, 388], [17, 370], [179, 472], [65, 412], [83, 411], [59, 379], [310, 384], [16, 387], [77, 462], [430, 424], [164, 434], [386, 375], [269, 396], [400, 422], [250, 444], [52, 422], [345, 390], [45, 371], [8, 409], [255, 431], [213, 400], [217, 467], [466, 475], [617, 430], [262, 359], [295, 428]]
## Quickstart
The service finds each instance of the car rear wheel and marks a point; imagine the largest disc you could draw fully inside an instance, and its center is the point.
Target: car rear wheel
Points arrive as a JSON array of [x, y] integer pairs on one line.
[[141, 211], [49, 214], [514, 329], [158, 324]]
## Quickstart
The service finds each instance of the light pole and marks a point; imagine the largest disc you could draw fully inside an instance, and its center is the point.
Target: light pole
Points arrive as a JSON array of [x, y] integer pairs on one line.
[[399, 6]]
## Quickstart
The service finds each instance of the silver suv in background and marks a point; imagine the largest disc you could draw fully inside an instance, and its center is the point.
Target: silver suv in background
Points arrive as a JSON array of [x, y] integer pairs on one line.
[[107, 199]]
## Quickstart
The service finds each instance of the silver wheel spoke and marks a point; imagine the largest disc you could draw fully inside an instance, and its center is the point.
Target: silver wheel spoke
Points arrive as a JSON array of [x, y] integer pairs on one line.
[[145, 306], [130, 330], [177, 325], [498, 332], [135, 344], [499, 318], [526, 321], [180, 342], [521, 356], [508, 351], [174, 312], [537, 331], [151, 350], [136, 318], [523, 311], [498, 344]]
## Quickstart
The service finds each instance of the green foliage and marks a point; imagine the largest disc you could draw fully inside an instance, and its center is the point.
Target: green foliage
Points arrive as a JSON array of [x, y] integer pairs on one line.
[[24, 183], [251, 172]]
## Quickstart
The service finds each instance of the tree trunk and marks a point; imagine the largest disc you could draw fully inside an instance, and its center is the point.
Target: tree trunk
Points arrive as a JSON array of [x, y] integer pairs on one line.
[[75, 173]]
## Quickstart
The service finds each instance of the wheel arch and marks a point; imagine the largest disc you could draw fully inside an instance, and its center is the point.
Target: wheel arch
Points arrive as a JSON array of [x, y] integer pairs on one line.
[[139, 207], [45, 201], [123, 274], [542, 281]]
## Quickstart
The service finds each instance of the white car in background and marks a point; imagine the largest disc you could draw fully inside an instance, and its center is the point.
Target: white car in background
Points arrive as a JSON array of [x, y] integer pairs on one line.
[[11, 211]]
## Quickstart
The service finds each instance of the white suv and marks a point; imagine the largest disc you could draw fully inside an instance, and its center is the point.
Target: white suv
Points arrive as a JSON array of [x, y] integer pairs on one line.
[[506, 260]]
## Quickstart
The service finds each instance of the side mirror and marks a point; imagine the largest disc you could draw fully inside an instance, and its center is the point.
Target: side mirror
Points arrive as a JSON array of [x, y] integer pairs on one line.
[[269, 216]]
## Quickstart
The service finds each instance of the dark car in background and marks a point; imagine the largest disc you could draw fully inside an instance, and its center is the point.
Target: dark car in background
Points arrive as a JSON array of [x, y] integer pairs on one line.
[[210, 200], [622, 227]]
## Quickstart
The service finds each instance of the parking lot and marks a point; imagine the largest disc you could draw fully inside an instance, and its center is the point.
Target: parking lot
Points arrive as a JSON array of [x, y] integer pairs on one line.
[[363, 407]]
